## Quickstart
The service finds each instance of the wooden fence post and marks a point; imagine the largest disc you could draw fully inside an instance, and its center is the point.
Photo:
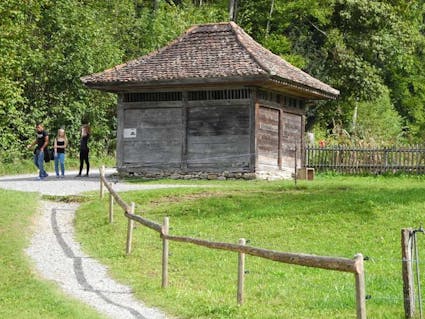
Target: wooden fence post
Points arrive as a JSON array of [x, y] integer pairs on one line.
[[241, 274], [102, 174], [360, 287], [111, 207], [407, 273], [130, 230], [165, 253]]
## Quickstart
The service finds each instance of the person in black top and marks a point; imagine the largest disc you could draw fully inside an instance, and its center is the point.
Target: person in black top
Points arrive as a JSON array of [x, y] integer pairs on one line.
[[42, 141], [59, 145], [84, 149]]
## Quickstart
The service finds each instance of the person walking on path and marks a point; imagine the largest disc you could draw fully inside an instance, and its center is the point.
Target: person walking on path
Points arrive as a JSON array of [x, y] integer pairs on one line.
[[42, 141], [84, 149], [59, 145]]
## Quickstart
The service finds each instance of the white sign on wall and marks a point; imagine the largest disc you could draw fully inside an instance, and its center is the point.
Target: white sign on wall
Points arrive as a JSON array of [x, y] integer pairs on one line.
[[130, 133]]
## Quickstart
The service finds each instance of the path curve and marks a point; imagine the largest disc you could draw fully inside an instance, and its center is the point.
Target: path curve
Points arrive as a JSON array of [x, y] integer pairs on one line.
[[58, 257]]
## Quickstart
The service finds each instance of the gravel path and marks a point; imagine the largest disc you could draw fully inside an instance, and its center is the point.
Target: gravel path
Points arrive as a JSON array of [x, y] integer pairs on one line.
[[58, 257], [70, 185]]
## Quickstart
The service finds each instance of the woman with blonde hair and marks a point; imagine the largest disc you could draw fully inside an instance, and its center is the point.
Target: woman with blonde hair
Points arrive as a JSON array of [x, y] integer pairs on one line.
[[59, 146]]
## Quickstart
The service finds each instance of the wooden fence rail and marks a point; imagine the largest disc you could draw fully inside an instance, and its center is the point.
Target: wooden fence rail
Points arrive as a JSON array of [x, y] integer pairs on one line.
[[354, 265], [348, 159]]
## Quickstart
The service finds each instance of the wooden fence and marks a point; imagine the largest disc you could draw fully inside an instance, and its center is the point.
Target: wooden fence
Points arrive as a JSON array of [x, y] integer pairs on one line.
[[348, 159], [354, 265]]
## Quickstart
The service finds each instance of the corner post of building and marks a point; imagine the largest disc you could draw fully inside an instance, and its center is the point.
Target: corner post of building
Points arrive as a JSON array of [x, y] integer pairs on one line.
[[303, 142], [121, 104]]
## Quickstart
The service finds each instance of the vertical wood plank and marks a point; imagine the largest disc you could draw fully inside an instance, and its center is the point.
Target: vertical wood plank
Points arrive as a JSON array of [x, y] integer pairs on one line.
[[303, 142], [252, 127], [165, 252], [130, 225], [407, 273], [241, 274], [280, 139], [184, 131]]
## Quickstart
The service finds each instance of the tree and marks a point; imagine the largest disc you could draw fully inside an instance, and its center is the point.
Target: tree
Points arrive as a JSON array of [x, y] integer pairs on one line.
[[364, 48]]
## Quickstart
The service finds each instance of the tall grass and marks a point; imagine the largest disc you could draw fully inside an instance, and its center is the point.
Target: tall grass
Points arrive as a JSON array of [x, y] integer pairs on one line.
[[332, 216], [22, 294]]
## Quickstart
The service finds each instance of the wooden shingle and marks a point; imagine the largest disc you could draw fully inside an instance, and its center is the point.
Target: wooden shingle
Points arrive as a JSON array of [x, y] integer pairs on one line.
[[211, 53]]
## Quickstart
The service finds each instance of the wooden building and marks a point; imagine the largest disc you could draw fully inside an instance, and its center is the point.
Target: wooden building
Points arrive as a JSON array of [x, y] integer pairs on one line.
[[212, 104]]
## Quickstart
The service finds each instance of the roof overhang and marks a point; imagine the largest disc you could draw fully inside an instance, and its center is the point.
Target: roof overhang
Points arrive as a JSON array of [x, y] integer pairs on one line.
[[263, 81], [301, 90]]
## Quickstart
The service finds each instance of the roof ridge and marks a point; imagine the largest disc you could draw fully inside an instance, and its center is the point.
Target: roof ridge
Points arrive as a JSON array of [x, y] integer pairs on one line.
[[254, 55], [263, 64], [235, 29]]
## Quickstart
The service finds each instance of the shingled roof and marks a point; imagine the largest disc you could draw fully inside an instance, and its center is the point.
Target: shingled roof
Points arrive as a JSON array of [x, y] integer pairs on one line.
[[211, 53]]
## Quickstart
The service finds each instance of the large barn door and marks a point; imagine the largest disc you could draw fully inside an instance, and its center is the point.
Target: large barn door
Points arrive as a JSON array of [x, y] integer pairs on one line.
[[153, 137], [292, 139], [268, 138]]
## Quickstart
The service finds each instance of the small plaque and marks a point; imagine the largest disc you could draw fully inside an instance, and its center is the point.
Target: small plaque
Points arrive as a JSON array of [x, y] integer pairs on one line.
[[130, 133]]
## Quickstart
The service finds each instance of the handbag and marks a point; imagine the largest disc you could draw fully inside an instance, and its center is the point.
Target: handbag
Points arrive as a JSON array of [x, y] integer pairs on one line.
[[48, 155]]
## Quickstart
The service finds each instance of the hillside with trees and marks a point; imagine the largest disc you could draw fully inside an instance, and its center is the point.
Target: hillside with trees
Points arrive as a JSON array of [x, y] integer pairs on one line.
[[372, 51]]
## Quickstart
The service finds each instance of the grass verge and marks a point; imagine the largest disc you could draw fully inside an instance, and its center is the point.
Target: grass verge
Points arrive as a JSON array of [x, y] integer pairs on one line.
[[22, 294], [26, 166], [332, 216]]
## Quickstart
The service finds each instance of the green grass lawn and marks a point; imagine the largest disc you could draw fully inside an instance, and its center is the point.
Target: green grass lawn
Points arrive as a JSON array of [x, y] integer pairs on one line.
[[332, 216], [22, 294]]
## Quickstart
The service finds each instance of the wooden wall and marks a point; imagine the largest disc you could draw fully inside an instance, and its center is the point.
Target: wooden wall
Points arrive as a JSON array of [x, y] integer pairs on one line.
[[158, 137], [185, 135], [292, 139], [279, 134], [268, 131], [218, 137], [214, 132]]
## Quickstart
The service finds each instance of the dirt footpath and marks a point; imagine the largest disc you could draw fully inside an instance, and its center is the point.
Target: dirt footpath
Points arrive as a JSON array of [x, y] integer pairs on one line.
[[59, 258]]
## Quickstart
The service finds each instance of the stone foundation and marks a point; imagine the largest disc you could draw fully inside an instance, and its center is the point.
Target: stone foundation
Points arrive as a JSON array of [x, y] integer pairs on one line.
[[159, 174], [204, 175]]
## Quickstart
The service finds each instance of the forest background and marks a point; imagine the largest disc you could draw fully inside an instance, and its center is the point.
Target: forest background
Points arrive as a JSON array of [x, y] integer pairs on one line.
[[372, 51]]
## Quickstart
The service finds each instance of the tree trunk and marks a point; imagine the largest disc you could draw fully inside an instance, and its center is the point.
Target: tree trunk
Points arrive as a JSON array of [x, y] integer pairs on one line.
[[269, 19], [233, 7]]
